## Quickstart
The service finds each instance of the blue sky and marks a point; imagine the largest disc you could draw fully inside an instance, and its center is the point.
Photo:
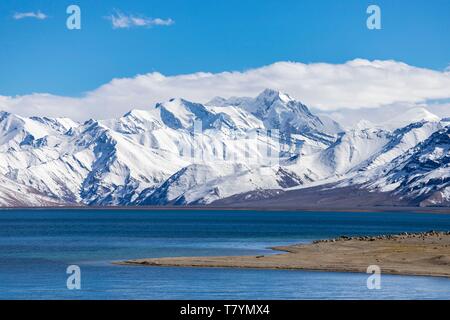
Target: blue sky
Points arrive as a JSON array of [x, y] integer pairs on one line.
[[213, 36]]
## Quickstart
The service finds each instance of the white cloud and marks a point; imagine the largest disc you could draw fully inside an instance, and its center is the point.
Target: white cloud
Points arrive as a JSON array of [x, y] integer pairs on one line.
[[36, 15], [162, 22], [123, 21], [327, 87]]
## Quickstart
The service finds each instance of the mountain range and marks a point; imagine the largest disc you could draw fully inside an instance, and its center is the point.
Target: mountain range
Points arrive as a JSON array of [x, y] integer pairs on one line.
[[267, 151]]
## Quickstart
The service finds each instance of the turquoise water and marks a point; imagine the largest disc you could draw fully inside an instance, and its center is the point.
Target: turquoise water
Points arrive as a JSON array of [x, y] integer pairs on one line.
[[37, 246]]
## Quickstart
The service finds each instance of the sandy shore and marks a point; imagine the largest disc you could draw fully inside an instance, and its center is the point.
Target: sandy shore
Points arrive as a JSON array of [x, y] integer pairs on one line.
[[425, 254]]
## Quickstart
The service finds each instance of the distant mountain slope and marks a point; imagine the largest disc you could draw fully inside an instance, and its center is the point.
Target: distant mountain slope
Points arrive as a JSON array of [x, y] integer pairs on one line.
[[238, 149], [13, 194], [422, 173], [413, 169]]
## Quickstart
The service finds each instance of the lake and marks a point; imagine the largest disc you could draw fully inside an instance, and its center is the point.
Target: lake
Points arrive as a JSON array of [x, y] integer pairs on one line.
[[36, 247]]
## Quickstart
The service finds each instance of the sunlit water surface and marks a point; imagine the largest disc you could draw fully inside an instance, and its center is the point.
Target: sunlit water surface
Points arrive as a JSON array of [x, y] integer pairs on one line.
[[36, 247]]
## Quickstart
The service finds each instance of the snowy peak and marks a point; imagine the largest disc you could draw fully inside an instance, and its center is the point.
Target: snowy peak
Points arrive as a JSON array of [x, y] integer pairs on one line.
[[18, 132], [182, 114], [135, 122], [260, 104], [279, 111], [418, 115], [61, 125], [268, 98], [411, 115]]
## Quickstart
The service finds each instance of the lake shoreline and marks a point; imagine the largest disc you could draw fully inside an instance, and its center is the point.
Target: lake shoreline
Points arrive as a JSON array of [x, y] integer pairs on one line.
[[418, 254], [380, 209]]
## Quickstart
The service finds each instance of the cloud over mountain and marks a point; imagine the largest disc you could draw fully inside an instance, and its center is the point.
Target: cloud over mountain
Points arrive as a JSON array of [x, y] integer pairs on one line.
[[353, 85]]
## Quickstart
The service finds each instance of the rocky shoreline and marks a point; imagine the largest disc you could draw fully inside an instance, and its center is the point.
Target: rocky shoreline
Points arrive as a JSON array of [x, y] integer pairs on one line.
[[424, 253], [404, 235]]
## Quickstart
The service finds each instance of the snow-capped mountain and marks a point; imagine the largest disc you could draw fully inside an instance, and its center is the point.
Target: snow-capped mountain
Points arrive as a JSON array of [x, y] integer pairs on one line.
[[17, 132], [18, 195], [422, 173], [279, 111], [412, 115], [387, 117], [180, 153]]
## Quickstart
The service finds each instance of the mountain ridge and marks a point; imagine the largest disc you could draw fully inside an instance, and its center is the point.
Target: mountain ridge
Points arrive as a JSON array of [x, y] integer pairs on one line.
[[185, 153]]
